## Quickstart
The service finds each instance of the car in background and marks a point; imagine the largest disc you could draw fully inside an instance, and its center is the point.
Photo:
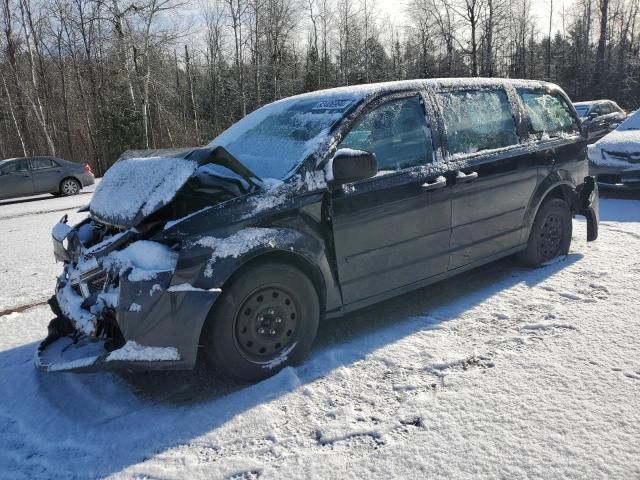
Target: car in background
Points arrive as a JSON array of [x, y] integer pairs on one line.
[[22, 177], [599, 117], [615, 159]]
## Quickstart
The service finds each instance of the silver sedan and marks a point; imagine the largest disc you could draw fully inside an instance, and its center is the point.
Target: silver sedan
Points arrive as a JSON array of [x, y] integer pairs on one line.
[[21, 177]]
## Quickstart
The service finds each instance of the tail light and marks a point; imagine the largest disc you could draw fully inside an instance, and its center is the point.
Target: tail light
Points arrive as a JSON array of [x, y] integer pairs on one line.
[[87, 168]]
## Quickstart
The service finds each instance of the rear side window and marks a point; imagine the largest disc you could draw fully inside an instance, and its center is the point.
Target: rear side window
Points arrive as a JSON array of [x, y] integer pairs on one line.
[[607, 108], [548, 114], [42, 163], [396, 131], [477, 120], [14, 167]]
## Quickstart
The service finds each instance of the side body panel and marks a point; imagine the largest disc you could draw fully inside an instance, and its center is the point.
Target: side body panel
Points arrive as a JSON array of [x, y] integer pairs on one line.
[[389, 232], [488, 213], [47, 180]]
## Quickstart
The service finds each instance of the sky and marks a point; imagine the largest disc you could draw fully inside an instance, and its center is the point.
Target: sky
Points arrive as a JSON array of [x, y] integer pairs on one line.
[[396, 11]]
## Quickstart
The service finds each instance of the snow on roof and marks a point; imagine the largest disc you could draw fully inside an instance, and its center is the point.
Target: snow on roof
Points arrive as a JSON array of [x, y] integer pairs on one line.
[[591, 102], [365, 90]]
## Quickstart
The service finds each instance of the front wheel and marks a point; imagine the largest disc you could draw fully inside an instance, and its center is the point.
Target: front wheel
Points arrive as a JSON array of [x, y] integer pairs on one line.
[[70, 186], [550, 234], [266, 319]]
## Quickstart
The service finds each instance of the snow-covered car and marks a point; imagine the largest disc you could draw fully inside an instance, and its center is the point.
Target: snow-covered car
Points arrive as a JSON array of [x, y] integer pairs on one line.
[[599, 117], [309, 208], [615, 159]]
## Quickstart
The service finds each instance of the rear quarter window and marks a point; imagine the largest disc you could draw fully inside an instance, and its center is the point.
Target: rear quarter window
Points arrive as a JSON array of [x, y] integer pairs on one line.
[[549, 114], [477, 120]]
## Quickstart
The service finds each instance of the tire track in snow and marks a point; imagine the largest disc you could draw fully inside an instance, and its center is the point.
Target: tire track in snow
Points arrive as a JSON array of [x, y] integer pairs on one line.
[[22, 308], [39, 212]]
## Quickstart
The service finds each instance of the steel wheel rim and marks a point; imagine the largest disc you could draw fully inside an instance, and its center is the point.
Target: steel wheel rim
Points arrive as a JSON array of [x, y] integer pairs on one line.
[[70, 187], [551, 237], [266, 324]]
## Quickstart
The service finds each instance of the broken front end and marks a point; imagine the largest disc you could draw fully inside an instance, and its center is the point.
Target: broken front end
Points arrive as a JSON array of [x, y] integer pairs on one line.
[[115, 305], [126, 295]]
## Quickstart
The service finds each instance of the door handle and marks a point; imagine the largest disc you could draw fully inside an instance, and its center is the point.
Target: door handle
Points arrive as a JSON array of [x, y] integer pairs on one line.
[[440, 182], [466, 177]]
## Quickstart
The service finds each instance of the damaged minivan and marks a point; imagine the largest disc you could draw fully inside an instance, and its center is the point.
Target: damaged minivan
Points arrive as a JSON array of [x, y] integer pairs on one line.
[[309, 208]]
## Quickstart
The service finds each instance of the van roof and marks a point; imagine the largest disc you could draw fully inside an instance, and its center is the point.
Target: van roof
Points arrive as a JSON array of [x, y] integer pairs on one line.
[[365, 90]]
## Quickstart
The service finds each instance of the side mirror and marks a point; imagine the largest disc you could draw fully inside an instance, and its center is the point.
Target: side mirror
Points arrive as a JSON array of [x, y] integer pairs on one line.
[[592, 115], [350, 165]]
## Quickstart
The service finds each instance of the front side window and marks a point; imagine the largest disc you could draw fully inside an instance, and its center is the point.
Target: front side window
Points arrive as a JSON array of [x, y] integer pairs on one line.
[[548, 113], [396, 132], [14, 167], [42, 163], [477, 120]]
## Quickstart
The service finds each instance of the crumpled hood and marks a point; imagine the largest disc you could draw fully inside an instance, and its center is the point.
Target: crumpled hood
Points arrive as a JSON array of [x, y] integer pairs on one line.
[[134, 188]]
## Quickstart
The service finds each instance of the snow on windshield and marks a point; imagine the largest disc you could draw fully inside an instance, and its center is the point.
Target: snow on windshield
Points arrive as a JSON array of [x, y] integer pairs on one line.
[[631, 123], [275, 138]]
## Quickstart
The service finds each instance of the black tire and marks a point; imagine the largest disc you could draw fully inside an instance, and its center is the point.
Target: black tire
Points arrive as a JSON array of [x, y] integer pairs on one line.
[[69, 187], [265, 320], [550, 234]]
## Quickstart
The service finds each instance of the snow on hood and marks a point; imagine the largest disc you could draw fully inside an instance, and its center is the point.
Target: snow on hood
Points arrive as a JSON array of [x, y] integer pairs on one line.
[[623, 141], [133, 189]]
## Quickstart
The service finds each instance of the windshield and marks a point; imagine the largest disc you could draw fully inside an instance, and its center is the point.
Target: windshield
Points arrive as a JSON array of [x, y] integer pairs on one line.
[[631, 123], [582, 110], [276, 138]]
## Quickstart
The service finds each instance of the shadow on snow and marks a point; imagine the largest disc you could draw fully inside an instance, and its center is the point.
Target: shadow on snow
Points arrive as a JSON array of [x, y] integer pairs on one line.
[[99, 424]]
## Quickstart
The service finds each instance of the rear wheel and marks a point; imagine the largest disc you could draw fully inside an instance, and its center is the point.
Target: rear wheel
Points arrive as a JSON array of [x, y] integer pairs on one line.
[[550, 234], [266, 319], [70, 186]]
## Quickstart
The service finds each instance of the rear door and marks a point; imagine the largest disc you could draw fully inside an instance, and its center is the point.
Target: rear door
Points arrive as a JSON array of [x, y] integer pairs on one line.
[[495, 175], [392, 230], [47, 174], [15, 179]]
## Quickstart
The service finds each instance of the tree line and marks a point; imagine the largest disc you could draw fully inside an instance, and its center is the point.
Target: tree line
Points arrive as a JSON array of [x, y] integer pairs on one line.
[[88, 79]]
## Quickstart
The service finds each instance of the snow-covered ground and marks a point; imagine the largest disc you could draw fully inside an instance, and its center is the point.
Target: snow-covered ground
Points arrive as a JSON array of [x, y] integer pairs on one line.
[[501, 373]]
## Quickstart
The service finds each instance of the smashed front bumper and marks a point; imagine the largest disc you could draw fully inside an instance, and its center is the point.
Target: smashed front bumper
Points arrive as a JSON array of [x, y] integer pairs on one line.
[[152, 324], [162, 333]]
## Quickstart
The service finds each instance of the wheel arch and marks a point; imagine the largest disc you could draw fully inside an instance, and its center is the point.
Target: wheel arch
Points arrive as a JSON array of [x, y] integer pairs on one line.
[[558, 184], [292, 258], [261, 257]]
